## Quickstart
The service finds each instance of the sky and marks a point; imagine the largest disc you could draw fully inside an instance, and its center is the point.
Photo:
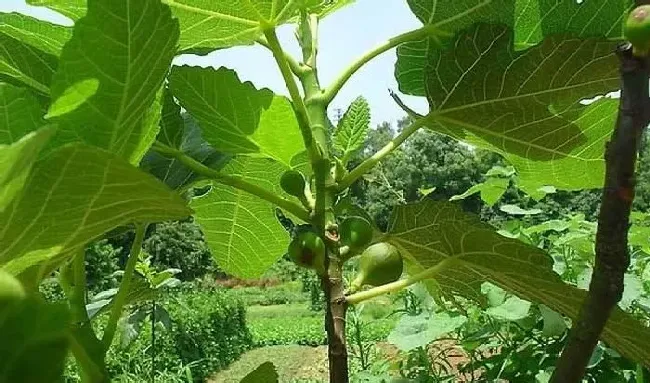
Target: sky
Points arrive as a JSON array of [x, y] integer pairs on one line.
[[344, 36]]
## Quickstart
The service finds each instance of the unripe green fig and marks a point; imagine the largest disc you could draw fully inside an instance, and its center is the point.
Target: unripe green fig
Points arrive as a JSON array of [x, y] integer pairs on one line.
[[379, 264], [637, 30], [307, 249], [293, 182], [10, 288], [355, 232]]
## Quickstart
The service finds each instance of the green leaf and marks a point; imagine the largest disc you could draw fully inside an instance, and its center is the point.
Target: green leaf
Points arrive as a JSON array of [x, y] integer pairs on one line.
[[526, 105], [27, 49], [264, 373], [127, 47], [412, 332], [20, 113], [236, 117], [467, 252], [516, 210], [74, 9], [532, 21], [325, 8], [39, 34], [513, 309], [172, 125], [172, 172], [73, 196], [554, 323], [491, 190], [301, 163], [208, 24], [16, 161], [353, 128], [34, 342], [241, 229]]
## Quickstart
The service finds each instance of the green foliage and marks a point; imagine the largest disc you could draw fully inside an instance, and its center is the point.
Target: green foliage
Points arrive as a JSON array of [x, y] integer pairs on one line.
[[82, 107], [208, 330], [34, 333], [179, 245], [352, 129], [274, 295], [102, 261]]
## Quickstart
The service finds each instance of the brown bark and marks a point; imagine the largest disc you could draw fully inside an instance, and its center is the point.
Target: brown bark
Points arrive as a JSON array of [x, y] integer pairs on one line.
[[335, 322], [612, 256]]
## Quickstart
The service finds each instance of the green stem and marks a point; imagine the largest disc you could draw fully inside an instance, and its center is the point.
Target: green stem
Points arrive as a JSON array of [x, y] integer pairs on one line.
[[394, 286], [120, 299], [298, 103], [298, 69], [78, 296], [371, 162], [414, 35], [233, 181]]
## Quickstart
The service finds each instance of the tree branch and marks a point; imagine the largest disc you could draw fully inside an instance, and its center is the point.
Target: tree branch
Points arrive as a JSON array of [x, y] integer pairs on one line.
[[233, 181], [371, 162], [298, 103], [612, 257], [120, 298], [414, 35]]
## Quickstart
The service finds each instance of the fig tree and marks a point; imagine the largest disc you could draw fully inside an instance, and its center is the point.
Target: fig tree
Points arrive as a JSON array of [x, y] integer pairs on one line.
[[637, 30], [379, 264], [307, 250], [293, 182], [355, 232]]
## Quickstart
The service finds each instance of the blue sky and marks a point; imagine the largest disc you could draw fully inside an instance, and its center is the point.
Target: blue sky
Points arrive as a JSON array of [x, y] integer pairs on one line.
[[344, 36]]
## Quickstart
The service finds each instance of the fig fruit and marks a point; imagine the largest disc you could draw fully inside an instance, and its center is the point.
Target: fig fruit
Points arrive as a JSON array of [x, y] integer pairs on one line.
[[293, 182], [307, 250], [355, 232], [379, 264], [637, 30]]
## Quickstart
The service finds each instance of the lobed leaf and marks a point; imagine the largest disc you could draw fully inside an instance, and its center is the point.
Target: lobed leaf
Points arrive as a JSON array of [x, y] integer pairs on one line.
[[467, 252], [236, 117], [207, 24], [73, 196], [125, 48], [531, 20], [241, 229], [526, 105]]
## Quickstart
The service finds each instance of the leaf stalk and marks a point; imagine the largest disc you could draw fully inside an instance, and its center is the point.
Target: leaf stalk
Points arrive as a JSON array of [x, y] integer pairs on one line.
[[421, 33], [372, 161], [120, 298], [236, 182]]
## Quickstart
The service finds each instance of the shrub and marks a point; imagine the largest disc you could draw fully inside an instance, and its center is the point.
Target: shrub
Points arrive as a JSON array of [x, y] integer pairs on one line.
[[102, 261], [208, 332]]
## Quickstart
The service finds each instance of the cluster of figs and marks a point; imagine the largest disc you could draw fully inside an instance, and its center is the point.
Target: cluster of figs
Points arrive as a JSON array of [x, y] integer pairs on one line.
[[379, 263]]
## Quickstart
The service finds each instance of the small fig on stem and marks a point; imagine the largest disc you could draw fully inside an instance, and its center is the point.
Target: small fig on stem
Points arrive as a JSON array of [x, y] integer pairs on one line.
[[294, 183], [307, 250], [356, 232], [379, 264], [637, 30]]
